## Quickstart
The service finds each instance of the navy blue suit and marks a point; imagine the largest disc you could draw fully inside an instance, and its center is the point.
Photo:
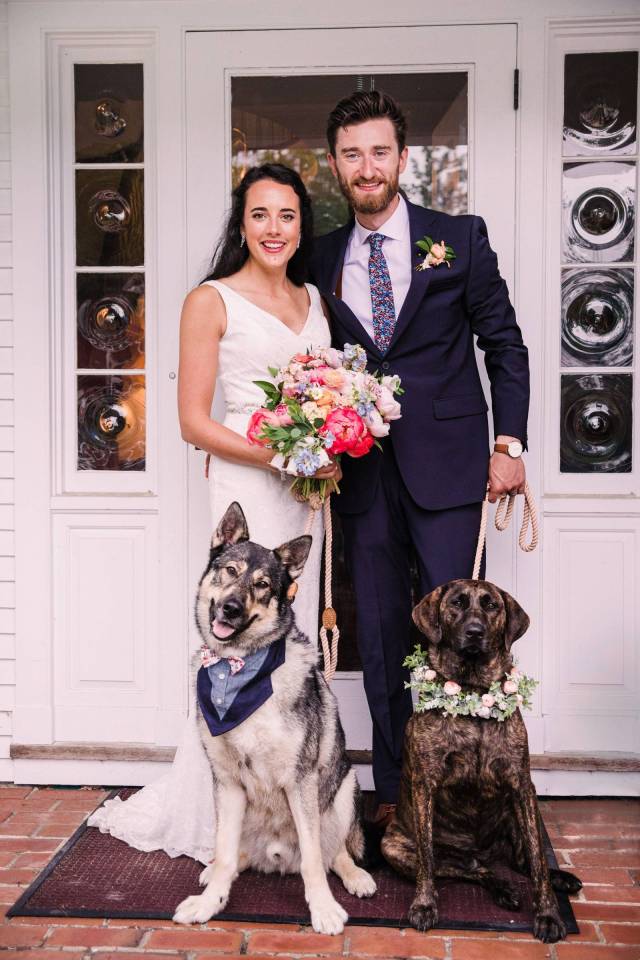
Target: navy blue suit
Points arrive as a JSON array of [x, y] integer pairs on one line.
[[422, 494]]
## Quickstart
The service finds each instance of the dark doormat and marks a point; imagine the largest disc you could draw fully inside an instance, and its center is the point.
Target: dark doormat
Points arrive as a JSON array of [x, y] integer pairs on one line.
[[95, 875]]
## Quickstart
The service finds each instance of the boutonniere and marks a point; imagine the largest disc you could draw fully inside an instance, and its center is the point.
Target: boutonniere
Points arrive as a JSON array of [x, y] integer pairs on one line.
[[435, 253]]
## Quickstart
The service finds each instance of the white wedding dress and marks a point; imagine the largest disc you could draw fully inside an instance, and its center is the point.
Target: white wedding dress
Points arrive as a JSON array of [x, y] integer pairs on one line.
[[176, 813]]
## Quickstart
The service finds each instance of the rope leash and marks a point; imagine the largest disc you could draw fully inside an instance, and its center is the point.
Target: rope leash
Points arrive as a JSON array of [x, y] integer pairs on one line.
[[504, 513], [329, 632]]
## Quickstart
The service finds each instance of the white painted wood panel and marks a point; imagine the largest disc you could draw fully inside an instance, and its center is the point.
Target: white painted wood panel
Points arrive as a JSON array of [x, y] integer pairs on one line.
[[105, 616], [591, 675]]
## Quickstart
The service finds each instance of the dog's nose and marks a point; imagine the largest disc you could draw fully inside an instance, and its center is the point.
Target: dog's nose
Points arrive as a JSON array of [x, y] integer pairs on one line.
[[231, 608], [474, 631]]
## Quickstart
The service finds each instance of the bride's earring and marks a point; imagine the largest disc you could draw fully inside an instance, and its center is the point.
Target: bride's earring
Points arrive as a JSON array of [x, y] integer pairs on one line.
[[242, 239], [298, 243]]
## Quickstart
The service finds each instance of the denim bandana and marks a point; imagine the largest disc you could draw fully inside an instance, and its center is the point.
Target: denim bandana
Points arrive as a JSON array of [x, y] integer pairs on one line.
[[227, 699]]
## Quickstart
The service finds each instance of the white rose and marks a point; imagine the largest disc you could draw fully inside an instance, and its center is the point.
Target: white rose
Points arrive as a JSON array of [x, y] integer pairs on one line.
[[376, 424], [388, 405], [332, 357], [429, 674], [451, 688], [483, 712], [488, 699], [510, 686]]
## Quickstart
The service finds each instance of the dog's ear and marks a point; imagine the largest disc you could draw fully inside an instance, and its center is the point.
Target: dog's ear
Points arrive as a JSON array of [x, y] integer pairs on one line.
[[293, 555], [231, 529], [426, 615], [517, 620]]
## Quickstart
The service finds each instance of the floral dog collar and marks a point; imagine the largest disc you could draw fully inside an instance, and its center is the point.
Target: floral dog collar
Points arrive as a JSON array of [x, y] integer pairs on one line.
[[501, 700]]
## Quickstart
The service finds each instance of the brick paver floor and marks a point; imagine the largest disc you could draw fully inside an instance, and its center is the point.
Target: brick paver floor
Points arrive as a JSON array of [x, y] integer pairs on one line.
[[599, 838]]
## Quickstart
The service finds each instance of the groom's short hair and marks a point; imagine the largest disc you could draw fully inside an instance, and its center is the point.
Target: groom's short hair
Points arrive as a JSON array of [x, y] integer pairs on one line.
[[362, 106]]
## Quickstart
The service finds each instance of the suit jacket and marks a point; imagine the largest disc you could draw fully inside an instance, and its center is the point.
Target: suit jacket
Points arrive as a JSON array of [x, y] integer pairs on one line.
[[441, 443]]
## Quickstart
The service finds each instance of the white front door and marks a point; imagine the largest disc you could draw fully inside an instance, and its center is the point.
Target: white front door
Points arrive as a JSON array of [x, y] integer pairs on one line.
[[254, 96]]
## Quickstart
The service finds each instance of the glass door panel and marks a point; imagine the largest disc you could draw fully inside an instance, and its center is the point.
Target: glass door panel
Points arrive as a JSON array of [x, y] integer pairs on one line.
[[275, 121]]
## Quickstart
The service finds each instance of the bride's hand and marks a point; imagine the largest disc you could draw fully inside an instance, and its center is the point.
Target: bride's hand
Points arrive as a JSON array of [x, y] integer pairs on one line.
[[331, 471]]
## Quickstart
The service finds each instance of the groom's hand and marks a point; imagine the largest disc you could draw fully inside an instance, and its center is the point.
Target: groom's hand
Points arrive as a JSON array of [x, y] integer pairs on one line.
[[506, 474]]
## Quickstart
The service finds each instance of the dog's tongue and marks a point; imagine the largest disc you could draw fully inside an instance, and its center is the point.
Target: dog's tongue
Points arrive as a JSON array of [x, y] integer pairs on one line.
[[221, 630]]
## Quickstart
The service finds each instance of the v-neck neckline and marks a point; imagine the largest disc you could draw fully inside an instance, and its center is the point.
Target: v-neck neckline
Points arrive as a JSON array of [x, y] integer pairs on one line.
[[268, 313]]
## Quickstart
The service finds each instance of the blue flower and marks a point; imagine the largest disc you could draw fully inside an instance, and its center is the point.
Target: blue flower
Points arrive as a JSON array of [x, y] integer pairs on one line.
[[306, 462], [329, 439]]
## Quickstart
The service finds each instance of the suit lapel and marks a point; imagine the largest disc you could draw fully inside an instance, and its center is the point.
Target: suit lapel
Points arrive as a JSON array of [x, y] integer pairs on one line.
[[419, 222], [347, 318]]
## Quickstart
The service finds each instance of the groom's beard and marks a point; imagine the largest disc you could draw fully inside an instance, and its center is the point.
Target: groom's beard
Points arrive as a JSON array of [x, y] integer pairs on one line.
[[364, 204]]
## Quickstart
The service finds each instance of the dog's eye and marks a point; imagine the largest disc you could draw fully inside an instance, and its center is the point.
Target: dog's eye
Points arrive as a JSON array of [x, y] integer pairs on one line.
[[231, 571], [262, 584], [456, 602]]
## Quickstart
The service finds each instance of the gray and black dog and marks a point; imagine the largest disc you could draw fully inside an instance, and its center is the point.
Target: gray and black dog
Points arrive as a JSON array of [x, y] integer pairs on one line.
[[286, 797]]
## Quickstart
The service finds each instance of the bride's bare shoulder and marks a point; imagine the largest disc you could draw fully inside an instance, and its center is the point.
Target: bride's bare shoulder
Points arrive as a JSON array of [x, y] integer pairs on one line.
[[204, 306]]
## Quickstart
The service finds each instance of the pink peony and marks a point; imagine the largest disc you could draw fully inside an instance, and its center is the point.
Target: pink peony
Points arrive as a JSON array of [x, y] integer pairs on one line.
[[258, 420], [350, 432], [317, 375], [333, 378], [510, 686], [451, 688], [283, 415], [362, 446], [488, 699]]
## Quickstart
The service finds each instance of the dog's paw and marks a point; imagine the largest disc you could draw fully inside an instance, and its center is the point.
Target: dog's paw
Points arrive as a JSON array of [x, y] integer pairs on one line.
[[423, 916], [206, 874], [199, 909], [359, 883], [548, 927], [506, 896], [564, 881], [328, 916]]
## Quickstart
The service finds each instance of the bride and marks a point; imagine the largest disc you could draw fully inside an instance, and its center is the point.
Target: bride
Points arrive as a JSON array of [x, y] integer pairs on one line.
[[253, 311]]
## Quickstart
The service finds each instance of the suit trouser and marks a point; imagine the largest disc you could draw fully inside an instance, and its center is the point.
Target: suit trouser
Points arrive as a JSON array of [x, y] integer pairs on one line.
[[379, 544]]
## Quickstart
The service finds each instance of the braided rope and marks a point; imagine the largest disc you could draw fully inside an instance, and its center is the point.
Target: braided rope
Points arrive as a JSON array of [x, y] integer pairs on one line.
[[329, 619], [504, 513]]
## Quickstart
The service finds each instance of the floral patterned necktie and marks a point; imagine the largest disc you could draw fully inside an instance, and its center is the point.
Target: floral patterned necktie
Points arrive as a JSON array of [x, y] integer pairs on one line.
[[383, 308]]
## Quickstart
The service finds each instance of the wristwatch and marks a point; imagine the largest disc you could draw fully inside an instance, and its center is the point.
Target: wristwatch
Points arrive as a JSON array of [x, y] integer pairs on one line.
[[513, 449]]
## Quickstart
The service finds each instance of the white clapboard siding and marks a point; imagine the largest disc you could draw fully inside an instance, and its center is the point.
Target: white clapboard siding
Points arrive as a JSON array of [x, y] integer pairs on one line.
[[7, 563]]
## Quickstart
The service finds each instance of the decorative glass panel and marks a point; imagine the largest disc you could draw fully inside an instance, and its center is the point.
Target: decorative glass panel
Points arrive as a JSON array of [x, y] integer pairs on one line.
[[597, 318], [109, 112], [110, 320], [109, 218], [598, 202], [111, 422], [596, 423], [600, 107], [284, 119]]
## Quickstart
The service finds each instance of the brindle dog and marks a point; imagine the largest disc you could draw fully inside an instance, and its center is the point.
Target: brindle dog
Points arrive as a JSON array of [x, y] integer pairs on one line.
[[466, 798]]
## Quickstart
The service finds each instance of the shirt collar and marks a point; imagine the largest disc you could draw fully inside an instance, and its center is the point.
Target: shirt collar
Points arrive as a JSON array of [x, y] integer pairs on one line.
[[396, 227]]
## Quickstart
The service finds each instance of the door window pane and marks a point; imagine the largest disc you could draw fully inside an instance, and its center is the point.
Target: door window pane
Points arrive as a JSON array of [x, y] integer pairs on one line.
[[284, 119]]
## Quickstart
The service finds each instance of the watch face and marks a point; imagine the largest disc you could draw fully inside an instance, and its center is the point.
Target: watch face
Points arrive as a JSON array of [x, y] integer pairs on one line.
[[515, 448]]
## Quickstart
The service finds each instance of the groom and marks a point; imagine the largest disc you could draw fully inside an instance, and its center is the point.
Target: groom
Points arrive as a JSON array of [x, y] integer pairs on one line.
[[421, 496]]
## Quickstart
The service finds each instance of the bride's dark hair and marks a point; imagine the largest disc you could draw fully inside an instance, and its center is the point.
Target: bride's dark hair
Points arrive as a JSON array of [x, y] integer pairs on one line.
[[229, 255]]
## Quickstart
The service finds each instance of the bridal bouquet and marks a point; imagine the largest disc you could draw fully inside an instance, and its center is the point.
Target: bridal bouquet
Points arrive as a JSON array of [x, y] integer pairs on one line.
[[322, 404]]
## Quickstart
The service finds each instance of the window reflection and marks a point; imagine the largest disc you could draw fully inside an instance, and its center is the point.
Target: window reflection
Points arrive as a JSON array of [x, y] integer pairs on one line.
[[277, 120], [111, 422]]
